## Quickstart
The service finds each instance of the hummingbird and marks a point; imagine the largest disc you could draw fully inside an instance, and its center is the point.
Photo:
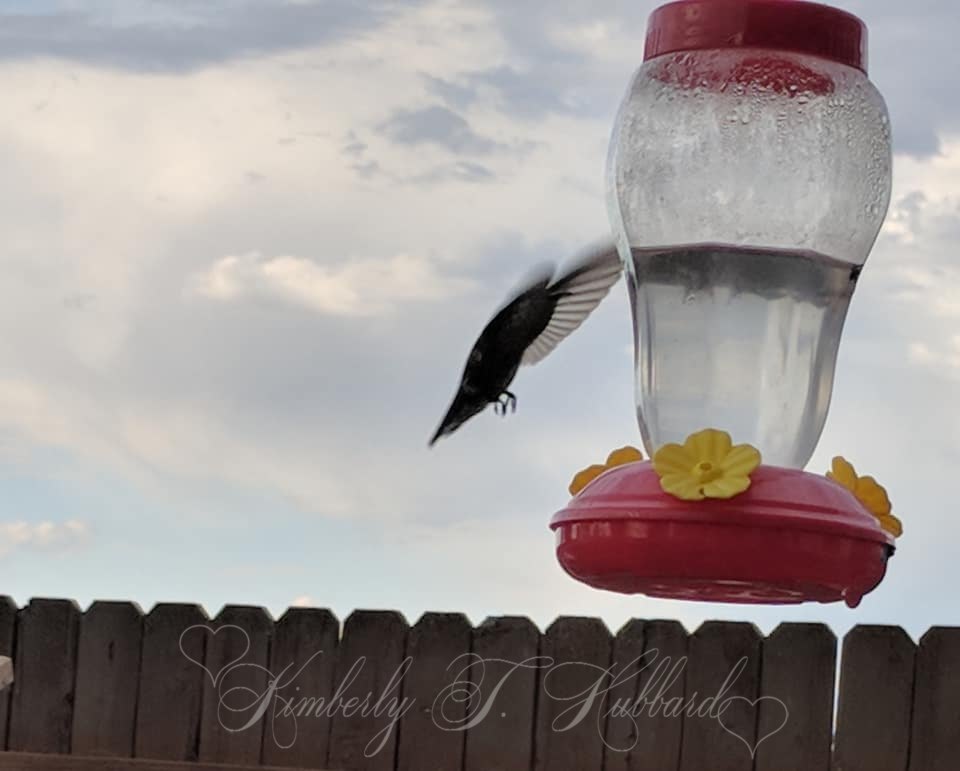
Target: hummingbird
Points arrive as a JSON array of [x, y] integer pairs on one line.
[[543, 310]]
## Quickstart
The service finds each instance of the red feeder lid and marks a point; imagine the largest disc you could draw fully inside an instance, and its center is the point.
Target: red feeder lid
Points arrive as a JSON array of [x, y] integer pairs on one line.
[[792, 536], [785, 25]]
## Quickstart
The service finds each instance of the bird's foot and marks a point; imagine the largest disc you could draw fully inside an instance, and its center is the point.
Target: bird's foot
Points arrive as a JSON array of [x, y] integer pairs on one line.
[[504, 401]]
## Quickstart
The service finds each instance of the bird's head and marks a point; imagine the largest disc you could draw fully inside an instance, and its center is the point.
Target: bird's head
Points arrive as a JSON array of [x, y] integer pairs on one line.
[[464, 407]]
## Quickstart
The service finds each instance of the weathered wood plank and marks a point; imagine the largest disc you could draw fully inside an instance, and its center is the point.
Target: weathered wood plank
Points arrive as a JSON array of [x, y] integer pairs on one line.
[[18, 761], [796, 708], [720, 710], [621, 729], [935, 741], [45, 662], [236, 701], [645, 737], [570, 718], [303, 656], [8, 627], [369, 695], [504, 680], [108, 673], [431, 731], [171, 682], [876, 687], [661, 732]]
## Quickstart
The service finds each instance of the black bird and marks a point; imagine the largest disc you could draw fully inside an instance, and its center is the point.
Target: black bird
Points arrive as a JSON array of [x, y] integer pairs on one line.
[[541, 314]]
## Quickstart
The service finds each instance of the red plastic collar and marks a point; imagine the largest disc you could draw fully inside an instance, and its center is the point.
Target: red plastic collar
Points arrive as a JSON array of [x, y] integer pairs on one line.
[[784, 25]]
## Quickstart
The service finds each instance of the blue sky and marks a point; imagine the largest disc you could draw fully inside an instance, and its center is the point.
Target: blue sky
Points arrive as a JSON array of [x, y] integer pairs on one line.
[[248, 245]]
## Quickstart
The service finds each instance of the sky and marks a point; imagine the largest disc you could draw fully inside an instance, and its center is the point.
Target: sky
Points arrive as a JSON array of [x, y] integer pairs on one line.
[[247, 245]]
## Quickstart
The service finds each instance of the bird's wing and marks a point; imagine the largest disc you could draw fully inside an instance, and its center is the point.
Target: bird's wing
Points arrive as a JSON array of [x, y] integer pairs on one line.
[[577, 292], [538, 276]]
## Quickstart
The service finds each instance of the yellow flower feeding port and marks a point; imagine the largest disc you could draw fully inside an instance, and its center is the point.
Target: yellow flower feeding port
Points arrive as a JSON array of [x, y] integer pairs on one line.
[[869, 492], [707, 465], [615, 458]]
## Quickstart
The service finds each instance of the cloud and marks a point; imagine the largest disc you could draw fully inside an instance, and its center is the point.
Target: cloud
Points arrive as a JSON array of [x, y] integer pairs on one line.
[[166, 447], [577, 58], [454, 94], [303, 601], [461, 171], [367, 168], [944, 359], [921, 95], [437, 125], [538, 59], [571, 60], [351, 288], [519, 93], [184, 35], [22, 535], [916, 249]]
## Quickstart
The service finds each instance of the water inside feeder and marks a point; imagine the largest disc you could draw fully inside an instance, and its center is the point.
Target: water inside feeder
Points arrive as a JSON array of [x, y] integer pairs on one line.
[[739, 338]]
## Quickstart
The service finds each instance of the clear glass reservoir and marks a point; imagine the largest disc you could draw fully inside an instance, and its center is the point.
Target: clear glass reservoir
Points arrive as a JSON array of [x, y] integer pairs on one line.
[[746, 186]]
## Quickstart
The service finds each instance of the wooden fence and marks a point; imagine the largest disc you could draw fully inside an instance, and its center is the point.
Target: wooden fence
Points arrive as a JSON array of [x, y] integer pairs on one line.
[[111, 685]]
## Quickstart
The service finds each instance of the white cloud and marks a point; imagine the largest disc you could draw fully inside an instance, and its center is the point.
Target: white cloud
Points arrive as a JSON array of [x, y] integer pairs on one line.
[[156, 443], [939, 356], [23, 535], [915, 257], [303, 601], [352, 288]]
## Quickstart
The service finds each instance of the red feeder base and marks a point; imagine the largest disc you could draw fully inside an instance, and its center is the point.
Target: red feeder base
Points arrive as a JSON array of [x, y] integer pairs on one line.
[[791, 537]]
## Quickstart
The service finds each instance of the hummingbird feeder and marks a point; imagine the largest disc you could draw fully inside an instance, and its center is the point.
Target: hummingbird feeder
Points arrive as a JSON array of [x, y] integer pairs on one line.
[[748, 176]]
